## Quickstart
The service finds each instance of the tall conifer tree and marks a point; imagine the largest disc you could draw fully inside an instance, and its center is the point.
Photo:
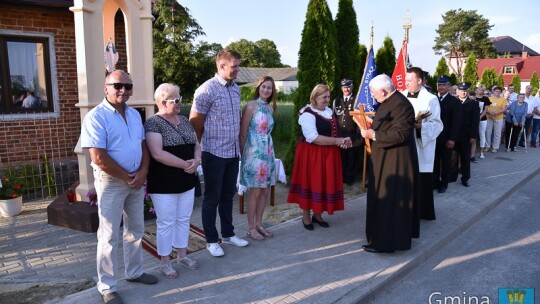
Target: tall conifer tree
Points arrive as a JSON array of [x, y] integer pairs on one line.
[[489, 78], [500, 80], [441, 69], [470, 73], [348, 42], [386, 57], [516, 81], [317, 63], [363, 53], [535, 83]]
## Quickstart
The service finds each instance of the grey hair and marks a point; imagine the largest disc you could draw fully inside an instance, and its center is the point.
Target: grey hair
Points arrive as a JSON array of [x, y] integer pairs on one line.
[[164, 91], [383, 82]]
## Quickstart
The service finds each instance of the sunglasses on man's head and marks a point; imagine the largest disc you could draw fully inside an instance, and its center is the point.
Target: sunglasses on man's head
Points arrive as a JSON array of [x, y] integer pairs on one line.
[[119, 86], [176, 100]]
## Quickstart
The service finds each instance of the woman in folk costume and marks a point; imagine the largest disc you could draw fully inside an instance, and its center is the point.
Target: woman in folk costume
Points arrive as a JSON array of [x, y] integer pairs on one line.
[[317, 182]]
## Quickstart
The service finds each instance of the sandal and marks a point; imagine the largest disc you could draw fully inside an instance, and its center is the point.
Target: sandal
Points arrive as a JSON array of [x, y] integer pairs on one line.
[[187, 262], [264, 232], [169, 271], [254, 234]]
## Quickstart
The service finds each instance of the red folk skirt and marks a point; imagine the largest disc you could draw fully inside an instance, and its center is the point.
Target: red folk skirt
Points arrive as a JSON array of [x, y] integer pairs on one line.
[[317, 181]]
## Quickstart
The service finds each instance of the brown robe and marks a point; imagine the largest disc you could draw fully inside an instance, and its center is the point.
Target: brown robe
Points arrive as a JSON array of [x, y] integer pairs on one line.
[[390, 217]]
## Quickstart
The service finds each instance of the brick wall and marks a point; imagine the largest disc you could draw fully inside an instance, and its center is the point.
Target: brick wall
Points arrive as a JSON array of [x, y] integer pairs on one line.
[[27, 141], [120, 39]]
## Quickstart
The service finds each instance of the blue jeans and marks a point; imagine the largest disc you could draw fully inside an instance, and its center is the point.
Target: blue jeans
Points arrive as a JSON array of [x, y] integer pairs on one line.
[[220, 176], [536, 128]]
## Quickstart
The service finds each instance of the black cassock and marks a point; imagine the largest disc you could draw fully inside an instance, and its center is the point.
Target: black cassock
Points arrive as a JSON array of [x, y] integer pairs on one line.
[[390, 218]]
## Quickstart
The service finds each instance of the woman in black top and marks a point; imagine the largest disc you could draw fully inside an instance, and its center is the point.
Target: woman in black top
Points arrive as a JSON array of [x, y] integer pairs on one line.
[[175, 156], [483, 102]]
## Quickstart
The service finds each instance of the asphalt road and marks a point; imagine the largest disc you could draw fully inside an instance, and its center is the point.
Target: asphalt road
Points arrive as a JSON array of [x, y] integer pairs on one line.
[[502, 250]]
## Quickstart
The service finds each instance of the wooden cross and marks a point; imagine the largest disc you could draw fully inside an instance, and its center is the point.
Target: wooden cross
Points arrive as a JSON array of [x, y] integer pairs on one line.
[[359, 116]]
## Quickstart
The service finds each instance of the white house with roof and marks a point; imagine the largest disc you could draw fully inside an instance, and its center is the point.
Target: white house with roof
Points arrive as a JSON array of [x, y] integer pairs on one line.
[[285, 78]]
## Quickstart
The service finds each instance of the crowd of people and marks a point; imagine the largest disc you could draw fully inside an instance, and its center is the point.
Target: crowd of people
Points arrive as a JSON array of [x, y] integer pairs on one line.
[[165, 153], [444, 129], [413, 137]]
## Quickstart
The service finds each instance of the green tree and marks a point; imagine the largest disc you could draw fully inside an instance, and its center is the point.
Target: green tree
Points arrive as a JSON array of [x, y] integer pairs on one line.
[[535, 83], [470, 73], [441, 69], [431, 81], [362, 54], [453, 79], [262, 53], [347, 39], [489, 78], [500, 80], [463, 33], [386, 57], [516, 81], [269, 54], [174, 32], [249, 51], [317, 63], [205, 63]]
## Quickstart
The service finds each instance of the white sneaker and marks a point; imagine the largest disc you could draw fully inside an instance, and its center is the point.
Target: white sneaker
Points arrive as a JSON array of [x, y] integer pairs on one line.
[[215, 249], [482, 156], [236, 241]]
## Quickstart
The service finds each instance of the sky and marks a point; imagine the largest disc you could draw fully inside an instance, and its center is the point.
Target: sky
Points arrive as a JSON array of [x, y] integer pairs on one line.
[[282, 21]]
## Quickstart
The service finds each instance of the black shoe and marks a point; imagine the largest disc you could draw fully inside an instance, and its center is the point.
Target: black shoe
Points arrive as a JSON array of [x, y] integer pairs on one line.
[[321, 223], [112, 298], [372, 249], [474, 160], [442, 190], [465, 183], [145, 279], [309, 226]]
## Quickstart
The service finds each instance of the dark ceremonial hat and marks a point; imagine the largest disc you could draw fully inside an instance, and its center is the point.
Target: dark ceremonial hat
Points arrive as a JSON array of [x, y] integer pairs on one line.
[[443, 79], [346, 82], [463, 86]]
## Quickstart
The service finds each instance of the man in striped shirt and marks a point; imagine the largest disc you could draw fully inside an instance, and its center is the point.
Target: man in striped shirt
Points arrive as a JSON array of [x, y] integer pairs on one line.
[[215, 116]]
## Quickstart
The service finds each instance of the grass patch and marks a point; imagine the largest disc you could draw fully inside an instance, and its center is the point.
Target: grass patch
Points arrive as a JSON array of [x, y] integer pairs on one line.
[[283, 123]]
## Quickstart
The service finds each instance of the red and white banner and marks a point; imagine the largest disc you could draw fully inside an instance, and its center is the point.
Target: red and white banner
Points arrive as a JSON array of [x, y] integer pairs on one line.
[[398, 77]]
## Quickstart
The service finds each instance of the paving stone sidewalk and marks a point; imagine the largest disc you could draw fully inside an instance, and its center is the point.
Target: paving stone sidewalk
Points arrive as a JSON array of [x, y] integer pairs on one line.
[[323, 266]]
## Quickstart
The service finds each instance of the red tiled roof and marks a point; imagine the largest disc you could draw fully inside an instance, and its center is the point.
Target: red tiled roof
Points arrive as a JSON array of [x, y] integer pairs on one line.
[[525, 67]]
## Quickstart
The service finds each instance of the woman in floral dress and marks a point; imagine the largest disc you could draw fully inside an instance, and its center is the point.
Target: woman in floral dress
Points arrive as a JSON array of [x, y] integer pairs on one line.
[[257, 172]]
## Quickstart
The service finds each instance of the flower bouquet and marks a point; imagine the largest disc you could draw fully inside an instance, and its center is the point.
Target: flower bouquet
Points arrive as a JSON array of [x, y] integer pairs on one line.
[[11, 191], [11, 188]]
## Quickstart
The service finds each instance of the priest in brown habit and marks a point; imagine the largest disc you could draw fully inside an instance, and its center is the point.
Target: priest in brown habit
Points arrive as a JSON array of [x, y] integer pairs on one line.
[[390, 193]]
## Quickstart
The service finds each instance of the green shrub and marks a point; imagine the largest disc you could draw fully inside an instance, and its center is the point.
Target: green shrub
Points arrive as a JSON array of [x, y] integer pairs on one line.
[[246, 93], [287, 97], [29, 174], [283, 123]]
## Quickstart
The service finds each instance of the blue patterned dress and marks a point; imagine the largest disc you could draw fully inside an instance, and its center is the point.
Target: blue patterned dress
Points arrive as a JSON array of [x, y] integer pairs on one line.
[[258, 167]]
